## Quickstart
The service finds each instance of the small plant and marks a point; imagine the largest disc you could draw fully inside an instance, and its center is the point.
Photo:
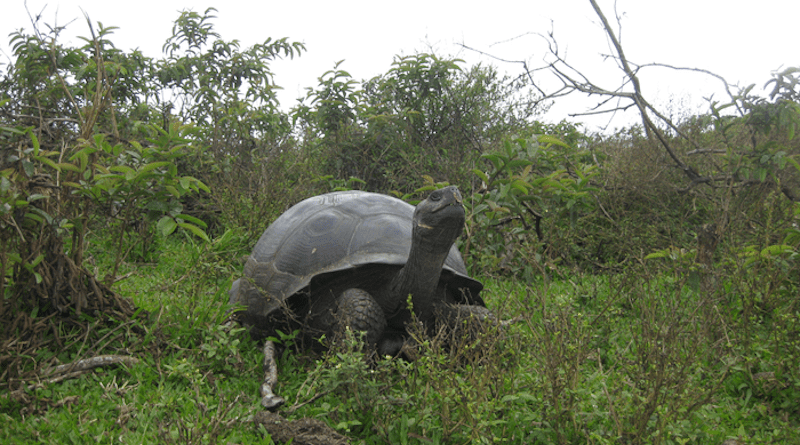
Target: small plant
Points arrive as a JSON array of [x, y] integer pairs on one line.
[[221, 347], [139, 186], [527, 184]]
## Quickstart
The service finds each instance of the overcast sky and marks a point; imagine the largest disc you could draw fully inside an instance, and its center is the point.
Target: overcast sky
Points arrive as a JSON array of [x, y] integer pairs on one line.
[[743, 41]]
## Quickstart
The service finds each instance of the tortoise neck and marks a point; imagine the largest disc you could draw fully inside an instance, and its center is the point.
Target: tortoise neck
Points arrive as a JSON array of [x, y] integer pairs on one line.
[[419, 278]]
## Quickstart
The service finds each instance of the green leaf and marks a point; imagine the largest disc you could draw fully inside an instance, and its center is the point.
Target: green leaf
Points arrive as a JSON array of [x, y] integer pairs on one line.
[[774, 250], [480, 174], [47, 162], [173, 191], [82, 157], [68, 167], [35, 142], [9, 129], [195, 230], [493, 158], [192, 220], [666, 253], [521, 186], [551, 140], [124, 169], [28, 167], [153, 165], [190, 183], [479, 208], [36, 196], [202, 186], [37, 260], [166, 225]]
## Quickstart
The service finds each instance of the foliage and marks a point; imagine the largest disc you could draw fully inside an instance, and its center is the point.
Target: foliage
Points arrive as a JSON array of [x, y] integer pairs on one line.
[[138, 186], [426, 116], [227, 92], [69, 92], [332, 107], [242, 145], [67, 171], [529, 183], [769, 125]]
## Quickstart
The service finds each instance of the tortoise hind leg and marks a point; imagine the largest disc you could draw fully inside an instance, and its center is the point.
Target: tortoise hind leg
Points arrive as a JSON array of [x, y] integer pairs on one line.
[[356, 309], [269, 399]]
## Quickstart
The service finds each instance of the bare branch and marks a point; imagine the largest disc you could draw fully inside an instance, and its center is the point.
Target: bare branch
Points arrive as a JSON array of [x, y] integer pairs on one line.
[[638, 99], [618, 47], [628, 94], [73, 370], [91, 363], [701, 71], [604, 111], [702, 151]]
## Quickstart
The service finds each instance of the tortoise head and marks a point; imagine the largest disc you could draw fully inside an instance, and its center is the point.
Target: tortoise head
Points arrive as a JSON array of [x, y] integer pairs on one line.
[[439, 219]]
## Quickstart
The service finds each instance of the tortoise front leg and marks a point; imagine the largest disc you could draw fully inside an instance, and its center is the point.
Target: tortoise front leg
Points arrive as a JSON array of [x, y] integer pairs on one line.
[[269, 400], [357, 310]]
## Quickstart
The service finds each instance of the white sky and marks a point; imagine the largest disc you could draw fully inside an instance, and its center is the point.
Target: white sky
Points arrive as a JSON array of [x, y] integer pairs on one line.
[[743, 41]]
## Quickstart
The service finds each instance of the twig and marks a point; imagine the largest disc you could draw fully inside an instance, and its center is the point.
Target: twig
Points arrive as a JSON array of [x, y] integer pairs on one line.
[[91, 363], [701, 151], [297, 406], [75, 369]]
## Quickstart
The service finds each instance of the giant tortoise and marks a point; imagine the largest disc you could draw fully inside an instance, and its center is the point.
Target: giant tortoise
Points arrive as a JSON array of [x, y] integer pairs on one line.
[[354, 259]]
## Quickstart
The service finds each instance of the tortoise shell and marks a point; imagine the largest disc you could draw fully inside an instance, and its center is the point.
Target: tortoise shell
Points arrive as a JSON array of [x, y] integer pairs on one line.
[[332, 235]]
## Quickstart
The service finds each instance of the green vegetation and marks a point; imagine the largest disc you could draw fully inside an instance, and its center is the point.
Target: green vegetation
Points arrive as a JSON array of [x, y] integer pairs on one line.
[[652, 275]]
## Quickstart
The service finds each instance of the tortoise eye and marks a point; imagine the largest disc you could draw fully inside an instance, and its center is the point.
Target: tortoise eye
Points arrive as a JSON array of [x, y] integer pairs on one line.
[[435, 196]]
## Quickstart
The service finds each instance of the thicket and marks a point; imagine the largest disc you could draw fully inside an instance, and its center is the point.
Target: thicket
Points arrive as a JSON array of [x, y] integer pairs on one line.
[[106, 154]]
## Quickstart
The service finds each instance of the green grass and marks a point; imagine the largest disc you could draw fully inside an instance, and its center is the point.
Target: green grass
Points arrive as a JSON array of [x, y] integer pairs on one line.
[[641, 357]]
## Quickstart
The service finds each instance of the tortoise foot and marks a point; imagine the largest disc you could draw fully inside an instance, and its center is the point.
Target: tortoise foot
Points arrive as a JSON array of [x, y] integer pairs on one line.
[[272, 402]]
